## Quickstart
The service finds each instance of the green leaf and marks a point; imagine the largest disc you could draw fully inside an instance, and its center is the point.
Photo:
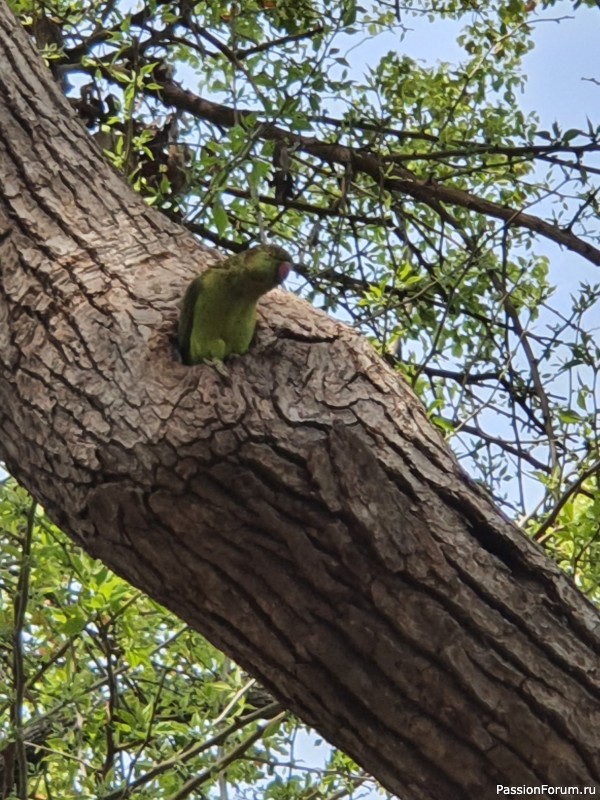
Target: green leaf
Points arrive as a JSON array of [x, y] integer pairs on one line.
[[220, 217]]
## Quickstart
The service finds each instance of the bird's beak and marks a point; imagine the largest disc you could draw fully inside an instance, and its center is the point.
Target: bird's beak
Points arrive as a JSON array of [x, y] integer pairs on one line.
[[283, 270]]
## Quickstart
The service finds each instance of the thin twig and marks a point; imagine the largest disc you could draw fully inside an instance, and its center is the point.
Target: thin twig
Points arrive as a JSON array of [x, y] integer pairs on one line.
[[224, 762], [19, 682], [564, 499]]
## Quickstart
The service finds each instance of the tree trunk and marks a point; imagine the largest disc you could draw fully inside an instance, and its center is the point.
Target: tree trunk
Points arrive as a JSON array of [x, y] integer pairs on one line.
[[300, 512]]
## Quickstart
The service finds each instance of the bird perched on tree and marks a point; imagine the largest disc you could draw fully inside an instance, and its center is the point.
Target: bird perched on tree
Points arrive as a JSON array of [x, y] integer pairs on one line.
[[218, 314]]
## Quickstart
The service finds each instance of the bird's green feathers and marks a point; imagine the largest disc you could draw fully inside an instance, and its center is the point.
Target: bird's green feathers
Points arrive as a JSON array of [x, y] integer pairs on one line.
[[218, 314]]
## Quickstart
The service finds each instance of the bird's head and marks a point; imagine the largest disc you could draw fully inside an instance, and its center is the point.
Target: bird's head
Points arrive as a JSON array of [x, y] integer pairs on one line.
[[269, 263]]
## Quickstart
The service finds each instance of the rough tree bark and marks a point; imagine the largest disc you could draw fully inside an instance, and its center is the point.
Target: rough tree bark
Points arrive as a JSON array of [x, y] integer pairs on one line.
[[302, 514]]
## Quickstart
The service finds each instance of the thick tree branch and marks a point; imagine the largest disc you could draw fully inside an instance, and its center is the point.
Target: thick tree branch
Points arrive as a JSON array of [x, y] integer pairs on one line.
[[389, 176]]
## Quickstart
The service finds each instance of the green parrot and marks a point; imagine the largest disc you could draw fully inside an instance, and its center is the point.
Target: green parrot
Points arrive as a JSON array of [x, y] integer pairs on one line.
[[218, 314]]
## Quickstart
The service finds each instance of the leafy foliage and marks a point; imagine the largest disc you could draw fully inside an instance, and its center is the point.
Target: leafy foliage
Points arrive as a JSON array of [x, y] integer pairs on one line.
[[107, 695]]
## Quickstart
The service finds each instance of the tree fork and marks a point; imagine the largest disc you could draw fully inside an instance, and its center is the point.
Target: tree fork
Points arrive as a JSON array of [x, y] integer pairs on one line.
[[302, 513]]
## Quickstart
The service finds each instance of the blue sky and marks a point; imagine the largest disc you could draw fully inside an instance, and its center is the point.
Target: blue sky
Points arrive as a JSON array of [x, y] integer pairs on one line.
[[566, 51]]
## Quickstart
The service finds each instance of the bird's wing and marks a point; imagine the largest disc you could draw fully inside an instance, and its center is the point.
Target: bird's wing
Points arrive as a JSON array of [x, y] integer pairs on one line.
[[186, 318]]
